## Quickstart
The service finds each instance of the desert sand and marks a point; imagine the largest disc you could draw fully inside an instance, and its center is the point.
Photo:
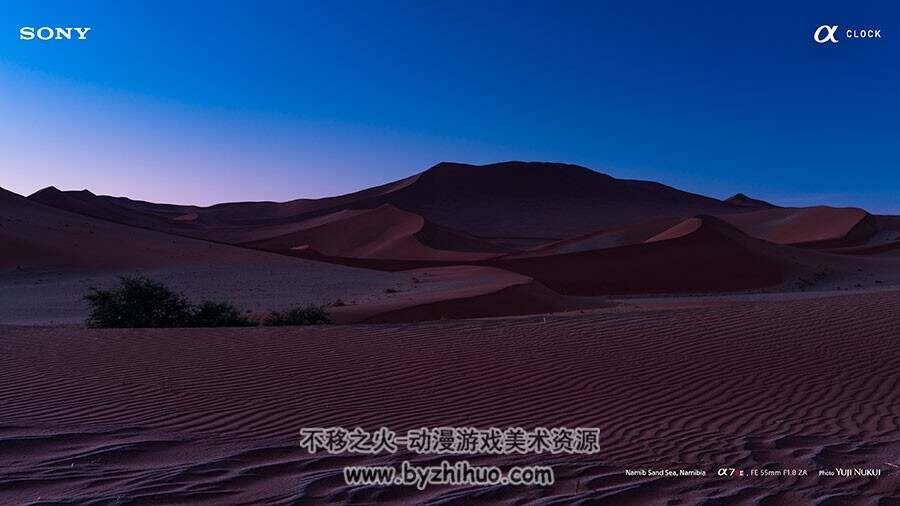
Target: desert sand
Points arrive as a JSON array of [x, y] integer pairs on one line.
[[212, 416]]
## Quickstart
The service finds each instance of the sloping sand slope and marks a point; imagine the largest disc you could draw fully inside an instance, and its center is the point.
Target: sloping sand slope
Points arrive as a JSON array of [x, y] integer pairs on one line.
[[813, 226], [608, 238], [106, 208], [54, 257], [37, 235], [384, 232], [699, 255], [50, 258], [212, 416], [459, 292], [136, 212]]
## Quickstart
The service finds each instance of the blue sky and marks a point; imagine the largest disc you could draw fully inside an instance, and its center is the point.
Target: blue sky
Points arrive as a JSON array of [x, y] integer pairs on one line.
[[224, 101]]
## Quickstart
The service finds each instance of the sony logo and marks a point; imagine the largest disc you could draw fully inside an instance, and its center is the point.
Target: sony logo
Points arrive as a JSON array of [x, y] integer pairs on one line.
[[51, 32]]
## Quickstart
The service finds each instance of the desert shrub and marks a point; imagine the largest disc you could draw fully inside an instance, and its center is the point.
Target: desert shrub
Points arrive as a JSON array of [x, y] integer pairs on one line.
[[138, 302], [309, 315], [218, 314]]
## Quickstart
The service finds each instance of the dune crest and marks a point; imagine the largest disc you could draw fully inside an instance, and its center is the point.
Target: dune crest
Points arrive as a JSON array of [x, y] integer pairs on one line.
[[385, 232], [703, 254], [811, 226], [458, 292]]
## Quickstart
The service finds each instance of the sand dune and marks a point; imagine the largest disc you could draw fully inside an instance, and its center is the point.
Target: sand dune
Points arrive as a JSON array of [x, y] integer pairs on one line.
[[35, 235], [823, 227], [212, 416], [700, 255], [819, 226], [54, 257], [256, 212], [50, 258], [384, 232], [231, 213], [108, 208], [681, 229], [461, 292], [608, 238]]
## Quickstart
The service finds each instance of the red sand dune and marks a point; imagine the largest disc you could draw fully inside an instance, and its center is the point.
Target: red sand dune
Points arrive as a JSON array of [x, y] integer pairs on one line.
[[49, 259], [681, 229], [814, 226], [701, 255], [886, 242], [211, 416], [823, 227], [256, 212], [459, 292], [608, 238], [109, 208], [382, 233], [232, 213], [37, 235]]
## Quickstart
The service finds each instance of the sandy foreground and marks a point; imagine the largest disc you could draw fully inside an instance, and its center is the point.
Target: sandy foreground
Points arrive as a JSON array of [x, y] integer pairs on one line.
[[213, 415]]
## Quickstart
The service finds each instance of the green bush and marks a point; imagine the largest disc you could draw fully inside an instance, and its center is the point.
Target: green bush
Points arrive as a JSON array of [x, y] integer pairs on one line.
[[218, 314], [309, 315], [138, 302]]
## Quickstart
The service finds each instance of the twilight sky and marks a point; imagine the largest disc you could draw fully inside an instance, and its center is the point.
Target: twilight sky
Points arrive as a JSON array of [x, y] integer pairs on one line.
[[225, 101]]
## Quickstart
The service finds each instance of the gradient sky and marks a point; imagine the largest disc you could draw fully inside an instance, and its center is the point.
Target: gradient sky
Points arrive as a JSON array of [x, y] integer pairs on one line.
[[225, 101]]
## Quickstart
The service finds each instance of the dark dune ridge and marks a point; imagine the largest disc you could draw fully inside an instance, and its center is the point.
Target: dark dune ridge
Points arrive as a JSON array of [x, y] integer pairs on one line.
[[699, 255], [462, 292], [385, 232], [212, 416], [818, 226]]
